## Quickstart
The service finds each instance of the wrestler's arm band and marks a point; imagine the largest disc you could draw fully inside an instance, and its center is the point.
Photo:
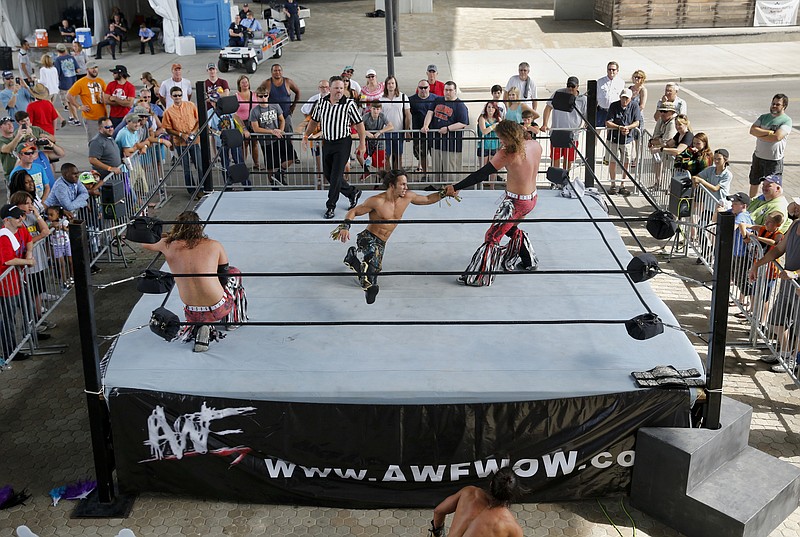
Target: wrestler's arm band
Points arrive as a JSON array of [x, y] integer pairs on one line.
[[476, 177], [222, 271], [346, 224]]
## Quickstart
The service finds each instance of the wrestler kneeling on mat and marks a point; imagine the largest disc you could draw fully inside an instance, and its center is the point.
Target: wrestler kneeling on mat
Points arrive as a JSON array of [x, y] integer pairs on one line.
[[371, 242], [207, 300], [520, 157]]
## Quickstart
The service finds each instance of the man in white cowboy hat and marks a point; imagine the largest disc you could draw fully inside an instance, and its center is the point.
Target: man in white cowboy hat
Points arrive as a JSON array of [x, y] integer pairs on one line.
[[41, 111]]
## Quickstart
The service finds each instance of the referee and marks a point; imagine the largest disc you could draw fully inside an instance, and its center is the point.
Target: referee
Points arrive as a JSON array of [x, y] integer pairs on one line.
[[336, 114]]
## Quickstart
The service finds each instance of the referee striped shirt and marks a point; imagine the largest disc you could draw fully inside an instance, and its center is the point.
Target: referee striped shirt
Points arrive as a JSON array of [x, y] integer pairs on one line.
[[335, 119]]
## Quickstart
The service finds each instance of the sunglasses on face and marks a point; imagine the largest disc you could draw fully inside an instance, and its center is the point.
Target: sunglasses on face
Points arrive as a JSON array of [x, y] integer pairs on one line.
[[423, 87], [108, 126], [263, 95], [370, 76], [177, 95], [29, 152]]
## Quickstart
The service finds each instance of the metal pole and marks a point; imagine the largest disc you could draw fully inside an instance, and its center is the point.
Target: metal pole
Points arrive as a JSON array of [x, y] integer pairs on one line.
[[388, 4], [396, 26], [591, 135], [723, 257], [205, 142], [103, 502]]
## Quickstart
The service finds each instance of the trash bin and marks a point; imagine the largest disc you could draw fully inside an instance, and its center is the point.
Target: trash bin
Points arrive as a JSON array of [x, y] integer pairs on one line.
[[6, 59]]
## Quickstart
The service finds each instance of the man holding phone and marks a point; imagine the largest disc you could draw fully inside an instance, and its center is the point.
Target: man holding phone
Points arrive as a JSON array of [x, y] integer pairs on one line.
[[14, 97]]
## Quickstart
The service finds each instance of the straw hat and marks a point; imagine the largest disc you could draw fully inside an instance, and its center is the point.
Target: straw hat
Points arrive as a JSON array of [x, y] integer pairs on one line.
[[39, 91]]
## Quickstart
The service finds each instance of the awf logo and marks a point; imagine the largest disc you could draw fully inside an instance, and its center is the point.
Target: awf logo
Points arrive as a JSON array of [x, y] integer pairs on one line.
[[188, 435]]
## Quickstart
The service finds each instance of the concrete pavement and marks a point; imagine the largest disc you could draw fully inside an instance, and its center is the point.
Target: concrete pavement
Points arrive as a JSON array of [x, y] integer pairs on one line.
[[43, 423]]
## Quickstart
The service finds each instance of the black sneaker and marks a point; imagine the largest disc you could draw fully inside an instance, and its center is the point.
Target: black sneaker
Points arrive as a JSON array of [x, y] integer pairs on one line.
[[20, 356], [329, 214], [371, 293], [95, 269], [355, 198], [41, 336], [352, 262]]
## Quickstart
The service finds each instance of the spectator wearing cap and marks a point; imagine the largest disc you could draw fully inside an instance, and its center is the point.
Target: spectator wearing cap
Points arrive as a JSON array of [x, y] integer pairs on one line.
[[28, 160], [716, 179], [770, 131], [421, 102], [67, 69], [244, 10], [48, 149], [251, 23], [770, 200], [608, 90], [120, 94], [176, 80], [623, 118], [68, 192], [8, 142], [373, 89], [146, 37], [664, 129], [41, 111], [89, 91], [16, 250], [557, 120], [347, 75], [181, 122], [292, 11], [15, 96], [742, 222], [215, 86], [437, 86], [132, 138], [112, 38], [67, 31], [104, 155], [525, 84], [25, 64]]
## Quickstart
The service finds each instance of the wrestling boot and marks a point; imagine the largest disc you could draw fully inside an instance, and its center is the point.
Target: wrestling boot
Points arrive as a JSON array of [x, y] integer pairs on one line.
[[352, 262], [201, 338], [354, 199], [371, 293]]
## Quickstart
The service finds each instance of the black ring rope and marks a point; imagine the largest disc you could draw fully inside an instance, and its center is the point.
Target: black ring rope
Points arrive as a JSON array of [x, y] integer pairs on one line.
[[392, 273], [414, 323], [417, 221]]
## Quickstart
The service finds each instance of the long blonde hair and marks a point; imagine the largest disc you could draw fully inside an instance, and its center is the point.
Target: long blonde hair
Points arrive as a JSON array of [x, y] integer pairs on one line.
[[512, 135], [46, 61]]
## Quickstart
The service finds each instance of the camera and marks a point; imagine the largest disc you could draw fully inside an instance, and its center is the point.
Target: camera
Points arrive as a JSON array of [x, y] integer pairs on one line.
[[43, 143], [190, 139]]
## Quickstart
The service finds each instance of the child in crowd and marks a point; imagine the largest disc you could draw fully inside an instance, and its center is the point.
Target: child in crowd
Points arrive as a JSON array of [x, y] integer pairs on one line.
[[375, 124], [742, 221], [768, 236], [529, 125], [59, 239]]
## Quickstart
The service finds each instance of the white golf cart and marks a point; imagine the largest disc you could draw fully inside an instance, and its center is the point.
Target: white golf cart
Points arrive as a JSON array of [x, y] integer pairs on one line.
[[258, 48]]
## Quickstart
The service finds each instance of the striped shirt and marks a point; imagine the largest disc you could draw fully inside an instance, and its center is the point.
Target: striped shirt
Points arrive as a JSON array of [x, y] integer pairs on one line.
[[335, 118]]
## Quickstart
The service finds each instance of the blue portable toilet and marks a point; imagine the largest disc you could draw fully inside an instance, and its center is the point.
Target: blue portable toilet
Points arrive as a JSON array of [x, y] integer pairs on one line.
[[207, 21]]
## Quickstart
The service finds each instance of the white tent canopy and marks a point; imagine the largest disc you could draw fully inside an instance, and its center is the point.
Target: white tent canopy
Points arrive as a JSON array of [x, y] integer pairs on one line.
[[28, 15]]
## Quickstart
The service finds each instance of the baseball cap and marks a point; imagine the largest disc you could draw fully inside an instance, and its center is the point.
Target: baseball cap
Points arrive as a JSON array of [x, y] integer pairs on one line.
[[723, 152], [92, 65], [667, 106], [121, 69], [174, 65], [87, 178], [741, 197], [8, 74], [5, 119], [626, 93], [348, 68], [28, 144], [370, 72], [139, 111], [573, 82], [211, 66], [774, 178], [433, 68], [61, 47], [11, 211]]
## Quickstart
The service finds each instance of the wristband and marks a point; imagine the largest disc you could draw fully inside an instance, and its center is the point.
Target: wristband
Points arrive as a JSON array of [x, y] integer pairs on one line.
[[436, 532], [346, 224]]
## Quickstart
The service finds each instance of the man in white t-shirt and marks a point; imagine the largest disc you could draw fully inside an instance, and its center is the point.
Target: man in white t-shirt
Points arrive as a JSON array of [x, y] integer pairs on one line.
[[176, 80], [524, 83]]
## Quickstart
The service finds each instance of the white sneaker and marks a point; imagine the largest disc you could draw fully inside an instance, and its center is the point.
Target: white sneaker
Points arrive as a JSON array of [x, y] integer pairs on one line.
[[790, 364], [201, 339]]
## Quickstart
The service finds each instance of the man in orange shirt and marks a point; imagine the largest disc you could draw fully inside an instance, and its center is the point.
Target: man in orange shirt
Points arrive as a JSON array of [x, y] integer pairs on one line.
[[181, 122], [88, 95]]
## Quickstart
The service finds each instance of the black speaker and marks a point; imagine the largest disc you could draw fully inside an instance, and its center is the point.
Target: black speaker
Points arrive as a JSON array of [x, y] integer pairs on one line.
[[112, 191], [563, 101], [680, 197], [6, 59], [113, 211]]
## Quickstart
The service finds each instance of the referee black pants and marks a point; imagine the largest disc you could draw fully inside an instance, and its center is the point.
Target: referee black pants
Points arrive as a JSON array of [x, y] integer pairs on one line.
[[335, 154]]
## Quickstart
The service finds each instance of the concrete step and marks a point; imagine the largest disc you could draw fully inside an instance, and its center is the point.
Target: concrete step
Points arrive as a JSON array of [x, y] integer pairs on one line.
[[748, 496], [705, 36]]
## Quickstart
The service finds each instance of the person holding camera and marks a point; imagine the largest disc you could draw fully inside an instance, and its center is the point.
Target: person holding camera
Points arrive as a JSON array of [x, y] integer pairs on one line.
[[181, 122], [15, 95]]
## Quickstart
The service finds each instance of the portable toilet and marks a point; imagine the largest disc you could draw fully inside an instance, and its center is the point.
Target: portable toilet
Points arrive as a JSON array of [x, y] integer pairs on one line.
[[207, 21]]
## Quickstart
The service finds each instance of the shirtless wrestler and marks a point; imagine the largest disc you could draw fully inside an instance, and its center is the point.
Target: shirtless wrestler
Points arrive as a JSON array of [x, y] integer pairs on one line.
[[520, 157], [189, 251], [481, 513], [371, 242]]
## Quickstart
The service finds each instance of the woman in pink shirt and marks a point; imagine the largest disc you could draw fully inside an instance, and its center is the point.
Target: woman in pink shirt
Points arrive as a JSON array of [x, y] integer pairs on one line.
[[246, 101]]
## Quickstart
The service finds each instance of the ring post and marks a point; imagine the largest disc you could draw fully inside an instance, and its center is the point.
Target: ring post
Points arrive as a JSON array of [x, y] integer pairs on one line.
[[591, 134], [205, 142], [723, 257], [103, 502], [389, 9]]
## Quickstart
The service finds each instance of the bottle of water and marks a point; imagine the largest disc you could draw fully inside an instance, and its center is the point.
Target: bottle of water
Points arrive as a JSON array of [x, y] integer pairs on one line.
[[368, 161]]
